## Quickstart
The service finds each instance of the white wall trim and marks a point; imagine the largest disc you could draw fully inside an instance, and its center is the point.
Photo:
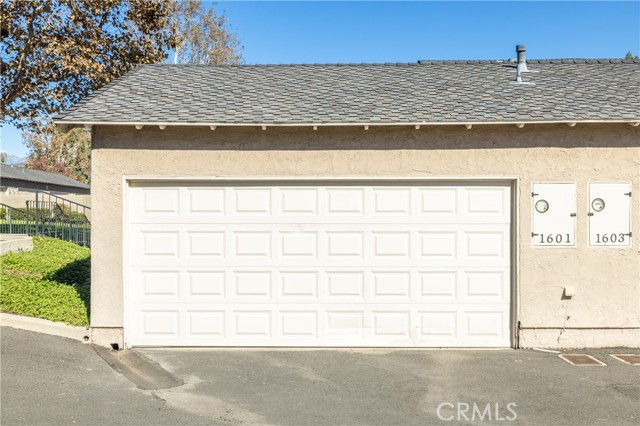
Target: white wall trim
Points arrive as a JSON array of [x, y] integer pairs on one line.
[[126, 320], [307, 178], [515, 262]]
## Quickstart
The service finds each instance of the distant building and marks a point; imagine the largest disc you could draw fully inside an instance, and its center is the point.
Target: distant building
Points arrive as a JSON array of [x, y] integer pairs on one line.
[[16, 178]]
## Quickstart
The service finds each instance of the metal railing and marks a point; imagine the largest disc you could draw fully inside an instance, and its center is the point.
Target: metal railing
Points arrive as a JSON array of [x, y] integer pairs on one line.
[[48, 215], [13, 221]]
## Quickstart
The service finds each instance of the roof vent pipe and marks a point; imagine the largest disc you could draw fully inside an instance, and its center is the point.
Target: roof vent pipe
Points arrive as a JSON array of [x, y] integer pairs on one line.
[[522, 62]]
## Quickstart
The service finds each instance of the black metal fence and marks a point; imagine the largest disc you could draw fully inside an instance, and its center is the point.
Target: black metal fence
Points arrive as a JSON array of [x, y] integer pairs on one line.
[[48, 215]]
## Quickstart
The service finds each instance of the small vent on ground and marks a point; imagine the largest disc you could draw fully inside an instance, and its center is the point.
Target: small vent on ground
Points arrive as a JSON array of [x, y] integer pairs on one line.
[[115, 346], [582, 360], [633, 359]]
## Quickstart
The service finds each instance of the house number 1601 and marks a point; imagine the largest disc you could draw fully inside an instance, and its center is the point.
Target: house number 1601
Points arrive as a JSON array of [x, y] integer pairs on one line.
[[554, 238]]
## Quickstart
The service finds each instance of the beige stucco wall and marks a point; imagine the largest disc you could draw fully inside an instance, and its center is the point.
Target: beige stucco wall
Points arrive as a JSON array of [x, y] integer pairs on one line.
[[606, 308]]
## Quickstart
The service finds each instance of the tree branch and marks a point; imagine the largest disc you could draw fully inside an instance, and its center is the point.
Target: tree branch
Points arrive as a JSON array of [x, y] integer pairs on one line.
[[18, 84]]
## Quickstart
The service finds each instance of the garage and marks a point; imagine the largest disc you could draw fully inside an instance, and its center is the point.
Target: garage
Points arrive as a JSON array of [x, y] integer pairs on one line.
[[320, 263], [425, 204]]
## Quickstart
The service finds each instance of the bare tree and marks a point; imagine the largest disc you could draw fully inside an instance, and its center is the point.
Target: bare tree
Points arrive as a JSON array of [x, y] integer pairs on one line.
[[203, 35]]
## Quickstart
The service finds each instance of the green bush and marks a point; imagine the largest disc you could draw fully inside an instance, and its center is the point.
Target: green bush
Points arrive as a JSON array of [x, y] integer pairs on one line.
[[16, 214], [50, 282], [41, 298], [62, 214]]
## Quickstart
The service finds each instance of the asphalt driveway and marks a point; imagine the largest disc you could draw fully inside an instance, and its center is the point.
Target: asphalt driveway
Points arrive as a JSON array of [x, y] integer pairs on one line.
[[51, 380], [403, 387]]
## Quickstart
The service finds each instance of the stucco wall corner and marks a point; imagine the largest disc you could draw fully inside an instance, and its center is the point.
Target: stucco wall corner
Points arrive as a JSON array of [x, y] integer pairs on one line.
[[107, 336]]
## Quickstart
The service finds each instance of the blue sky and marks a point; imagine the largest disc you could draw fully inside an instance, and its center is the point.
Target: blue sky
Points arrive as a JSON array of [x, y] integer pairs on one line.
[[321, 32]]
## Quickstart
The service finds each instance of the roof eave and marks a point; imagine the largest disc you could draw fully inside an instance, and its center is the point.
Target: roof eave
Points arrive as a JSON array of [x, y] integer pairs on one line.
[[66, 125]]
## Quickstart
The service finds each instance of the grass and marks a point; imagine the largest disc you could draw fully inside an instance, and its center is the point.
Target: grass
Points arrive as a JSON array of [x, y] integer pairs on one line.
[[50, 282]]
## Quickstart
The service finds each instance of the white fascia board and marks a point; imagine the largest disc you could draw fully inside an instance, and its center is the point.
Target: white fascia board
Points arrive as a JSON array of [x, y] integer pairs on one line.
[[69, 124]]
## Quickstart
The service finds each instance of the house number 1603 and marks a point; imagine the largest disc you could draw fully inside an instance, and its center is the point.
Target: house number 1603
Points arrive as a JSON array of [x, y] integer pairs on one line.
[[607, 238], [554, 238]]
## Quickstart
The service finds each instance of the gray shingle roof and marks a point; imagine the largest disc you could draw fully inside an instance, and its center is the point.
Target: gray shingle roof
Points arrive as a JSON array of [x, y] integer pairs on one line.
[[30, 175], [427, 91]]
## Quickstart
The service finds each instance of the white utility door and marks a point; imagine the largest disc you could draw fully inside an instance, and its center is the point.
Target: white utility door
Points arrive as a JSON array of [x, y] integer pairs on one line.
[[553, 215], [610, 214], [345, 264]]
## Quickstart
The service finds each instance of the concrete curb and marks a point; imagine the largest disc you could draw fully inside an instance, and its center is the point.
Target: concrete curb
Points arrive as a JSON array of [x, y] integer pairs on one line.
[[44, 326]]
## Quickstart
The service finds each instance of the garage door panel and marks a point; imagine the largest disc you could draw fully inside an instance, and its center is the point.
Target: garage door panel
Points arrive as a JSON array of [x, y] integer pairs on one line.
[[415, 203], [296, 244], [438, 202], [250, 323], [323, 285], [159, 244], [251, 244], [298, 324], [343, 202], [329, 265], [396, 244], [345, 285], [205, 324], [160, 323], [160, 284], [154, 202], [438, 285], [438, 245], [488, 245], [251, 284], [205, 202], [392, 244], [211, 244], [206, 284], [298, 202], [341, 244], [388, 285], [388, 323], [344, 324], [481, 323], [391, 201], [303, 325], [438, 325], [487, 202], [486, 286], [297, 284], [251, 202]]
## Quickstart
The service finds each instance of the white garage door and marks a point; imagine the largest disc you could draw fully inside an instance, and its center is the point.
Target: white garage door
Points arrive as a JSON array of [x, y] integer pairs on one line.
[[395, 264]]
